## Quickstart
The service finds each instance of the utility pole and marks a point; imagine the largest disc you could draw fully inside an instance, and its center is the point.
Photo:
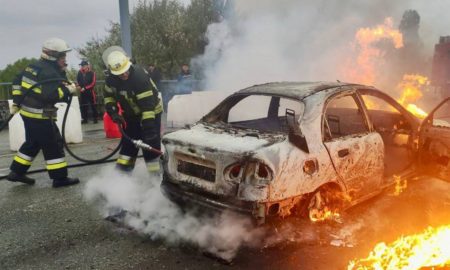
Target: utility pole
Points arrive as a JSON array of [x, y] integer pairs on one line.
[[125, 26]]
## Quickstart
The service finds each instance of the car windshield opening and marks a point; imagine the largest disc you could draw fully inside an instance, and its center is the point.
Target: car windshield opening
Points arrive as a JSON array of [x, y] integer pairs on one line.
[[258, 112]]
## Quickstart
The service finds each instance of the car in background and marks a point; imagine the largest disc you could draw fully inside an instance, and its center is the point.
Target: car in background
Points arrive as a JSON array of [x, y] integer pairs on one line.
[[306, 147]]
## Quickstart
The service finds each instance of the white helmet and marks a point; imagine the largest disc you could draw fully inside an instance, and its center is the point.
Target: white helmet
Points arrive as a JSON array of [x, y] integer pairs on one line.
[[53, 48], [118, 63]]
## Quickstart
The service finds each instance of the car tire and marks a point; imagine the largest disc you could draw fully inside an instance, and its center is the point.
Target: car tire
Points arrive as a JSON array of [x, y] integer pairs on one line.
[[324, 201]]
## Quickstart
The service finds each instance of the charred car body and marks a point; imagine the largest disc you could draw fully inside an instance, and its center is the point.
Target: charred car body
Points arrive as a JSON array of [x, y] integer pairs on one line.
[[273, 148]]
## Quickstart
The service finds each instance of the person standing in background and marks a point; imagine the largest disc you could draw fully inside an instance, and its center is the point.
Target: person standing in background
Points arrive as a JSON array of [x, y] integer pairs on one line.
[[155, 75], [86, 79], [185, 82]]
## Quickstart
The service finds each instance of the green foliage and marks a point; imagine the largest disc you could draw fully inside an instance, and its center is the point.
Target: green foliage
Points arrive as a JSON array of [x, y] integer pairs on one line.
[[94, 48], [163, 32], [11, 70]]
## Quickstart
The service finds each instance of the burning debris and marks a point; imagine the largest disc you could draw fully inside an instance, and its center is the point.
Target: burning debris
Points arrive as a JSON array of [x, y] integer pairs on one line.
[[428, 249], [400, 185]]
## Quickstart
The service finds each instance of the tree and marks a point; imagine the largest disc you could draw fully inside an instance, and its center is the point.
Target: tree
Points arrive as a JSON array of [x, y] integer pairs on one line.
[[9, 73], [163, 32], [92, 51], [11, 70]]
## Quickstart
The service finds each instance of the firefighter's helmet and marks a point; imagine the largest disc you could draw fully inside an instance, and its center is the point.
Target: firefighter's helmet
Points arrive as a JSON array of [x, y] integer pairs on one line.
[[118, 62], [54, 48]]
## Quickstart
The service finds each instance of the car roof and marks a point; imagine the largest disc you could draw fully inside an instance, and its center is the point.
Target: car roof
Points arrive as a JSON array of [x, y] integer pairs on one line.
[[297, 90]]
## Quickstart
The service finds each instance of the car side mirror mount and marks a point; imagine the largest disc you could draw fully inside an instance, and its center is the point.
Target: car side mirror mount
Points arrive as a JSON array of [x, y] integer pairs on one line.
[[295, 135]]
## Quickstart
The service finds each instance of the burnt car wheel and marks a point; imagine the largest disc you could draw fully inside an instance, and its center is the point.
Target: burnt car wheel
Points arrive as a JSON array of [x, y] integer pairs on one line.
[[325, 204]]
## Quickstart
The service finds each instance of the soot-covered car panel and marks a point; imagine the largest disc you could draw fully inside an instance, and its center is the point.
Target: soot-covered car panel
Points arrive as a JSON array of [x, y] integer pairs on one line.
[[273, 148]]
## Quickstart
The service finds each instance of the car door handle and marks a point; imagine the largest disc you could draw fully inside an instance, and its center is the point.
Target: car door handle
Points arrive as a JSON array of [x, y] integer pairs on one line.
[[343, 152]]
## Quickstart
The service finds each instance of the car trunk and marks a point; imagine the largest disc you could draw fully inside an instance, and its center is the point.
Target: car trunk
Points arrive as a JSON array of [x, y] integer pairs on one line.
[[199, 156]]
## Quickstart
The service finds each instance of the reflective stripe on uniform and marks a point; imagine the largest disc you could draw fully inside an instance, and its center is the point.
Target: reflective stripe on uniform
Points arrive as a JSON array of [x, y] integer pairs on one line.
[[17, 93], [32, 110], [153, 83], [57, 166], [159, 107], [32, 115], [109, 100], [148, 115], [125, 160], [57, 163], [153, 166], [25, 85], [37, 90], [144, 94], [16, 87], [28, 81], [60, 93], [108, 89], [22, 161], [23, 156]]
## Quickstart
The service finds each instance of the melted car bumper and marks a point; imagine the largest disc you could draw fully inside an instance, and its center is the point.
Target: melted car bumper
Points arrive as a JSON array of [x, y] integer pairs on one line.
[[189, 197]]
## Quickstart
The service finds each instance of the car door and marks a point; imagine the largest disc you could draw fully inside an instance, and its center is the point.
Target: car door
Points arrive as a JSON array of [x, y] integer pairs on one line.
[[434, 142], [397, 129], [356, 151]]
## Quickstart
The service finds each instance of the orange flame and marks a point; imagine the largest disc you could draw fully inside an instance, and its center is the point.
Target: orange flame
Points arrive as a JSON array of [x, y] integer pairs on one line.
[[411, 87], [400, 185], [322, 215], [364, 67], [428, 249]]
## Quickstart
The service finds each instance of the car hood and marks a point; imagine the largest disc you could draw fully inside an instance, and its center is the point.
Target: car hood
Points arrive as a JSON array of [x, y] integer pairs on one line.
[[221, 138]]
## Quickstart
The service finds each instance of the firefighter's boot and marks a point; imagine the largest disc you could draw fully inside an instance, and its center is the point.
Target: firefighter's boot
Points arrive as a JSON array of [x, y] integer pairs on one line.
[[67, 181], [22, 178]]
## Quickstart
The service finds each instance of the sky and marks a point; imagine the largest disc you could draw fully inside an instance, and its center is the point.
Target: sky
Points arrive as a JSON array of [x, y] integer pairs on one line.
[[25, 24]]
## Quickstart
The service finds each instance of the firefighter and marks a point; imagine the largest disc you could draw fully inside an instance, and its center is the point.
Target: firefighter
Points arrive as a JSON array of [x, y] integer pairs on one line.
[[37, 108], [131, 86]]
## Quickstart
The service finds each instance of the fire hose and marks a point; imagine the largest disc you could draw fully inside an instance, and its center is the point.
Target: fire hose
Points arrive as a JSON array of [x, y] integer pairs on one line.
[[85, 162]]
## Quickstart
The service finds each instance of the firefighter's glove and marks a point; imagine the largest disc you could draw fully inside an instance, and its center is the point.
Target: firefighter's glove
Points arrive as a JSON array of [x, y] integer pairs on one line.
[[72, 88], [14, 109]]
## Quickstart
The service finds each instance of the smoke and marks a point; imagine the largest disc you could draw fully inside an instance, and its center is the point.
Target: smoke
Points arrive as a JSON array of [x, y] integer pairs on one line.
[[301, 40], [149, 212]]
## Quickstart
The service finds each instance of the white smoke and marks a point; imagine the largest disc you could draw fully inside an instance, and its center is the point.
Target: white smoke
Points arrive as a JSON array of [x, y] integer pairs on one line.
[[151, 213], [301, 40]]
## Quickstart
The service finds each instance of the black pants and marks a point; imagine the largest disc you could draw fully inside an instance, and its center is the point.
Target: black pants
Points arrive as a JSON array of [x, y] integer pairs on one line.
[[129, 152], [45, 135], [87, 100]]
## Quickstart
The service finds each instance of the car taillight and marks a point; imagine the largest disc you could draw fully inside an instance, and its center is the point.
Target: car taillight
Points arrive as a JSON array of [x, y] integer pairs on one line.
[[235, 171], [263, 172]]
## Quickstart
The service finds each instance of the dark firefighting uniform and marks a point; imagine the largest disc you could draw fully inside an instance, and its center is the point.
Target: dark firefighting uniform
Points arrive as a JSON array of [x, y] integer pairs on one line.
[[138, 98], [87, 80], [38, 113]]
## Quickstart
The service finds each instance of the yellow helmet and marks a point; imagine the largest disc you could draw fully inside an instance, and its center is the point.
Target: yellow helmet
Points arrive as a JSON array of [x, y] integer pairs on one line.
[[118, 63]]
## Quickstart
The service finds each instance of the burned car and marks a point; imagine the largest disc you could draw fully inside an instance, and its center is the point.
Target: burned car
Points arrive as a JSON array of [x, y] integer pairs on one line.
[[277, 148]]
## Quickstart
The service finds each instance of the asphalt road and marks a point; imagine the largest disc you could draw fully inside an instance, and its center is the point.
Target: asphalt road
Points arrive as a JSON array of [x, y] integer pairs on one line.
[[46, 228]]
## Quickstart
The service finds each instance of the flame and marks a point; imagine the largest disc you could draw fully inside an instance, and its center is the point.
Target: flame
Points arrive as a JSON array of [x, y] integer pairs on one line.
[[316, 215], [428, 249], [400, 185], [363, 68], [411, 90], [416, 111]]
